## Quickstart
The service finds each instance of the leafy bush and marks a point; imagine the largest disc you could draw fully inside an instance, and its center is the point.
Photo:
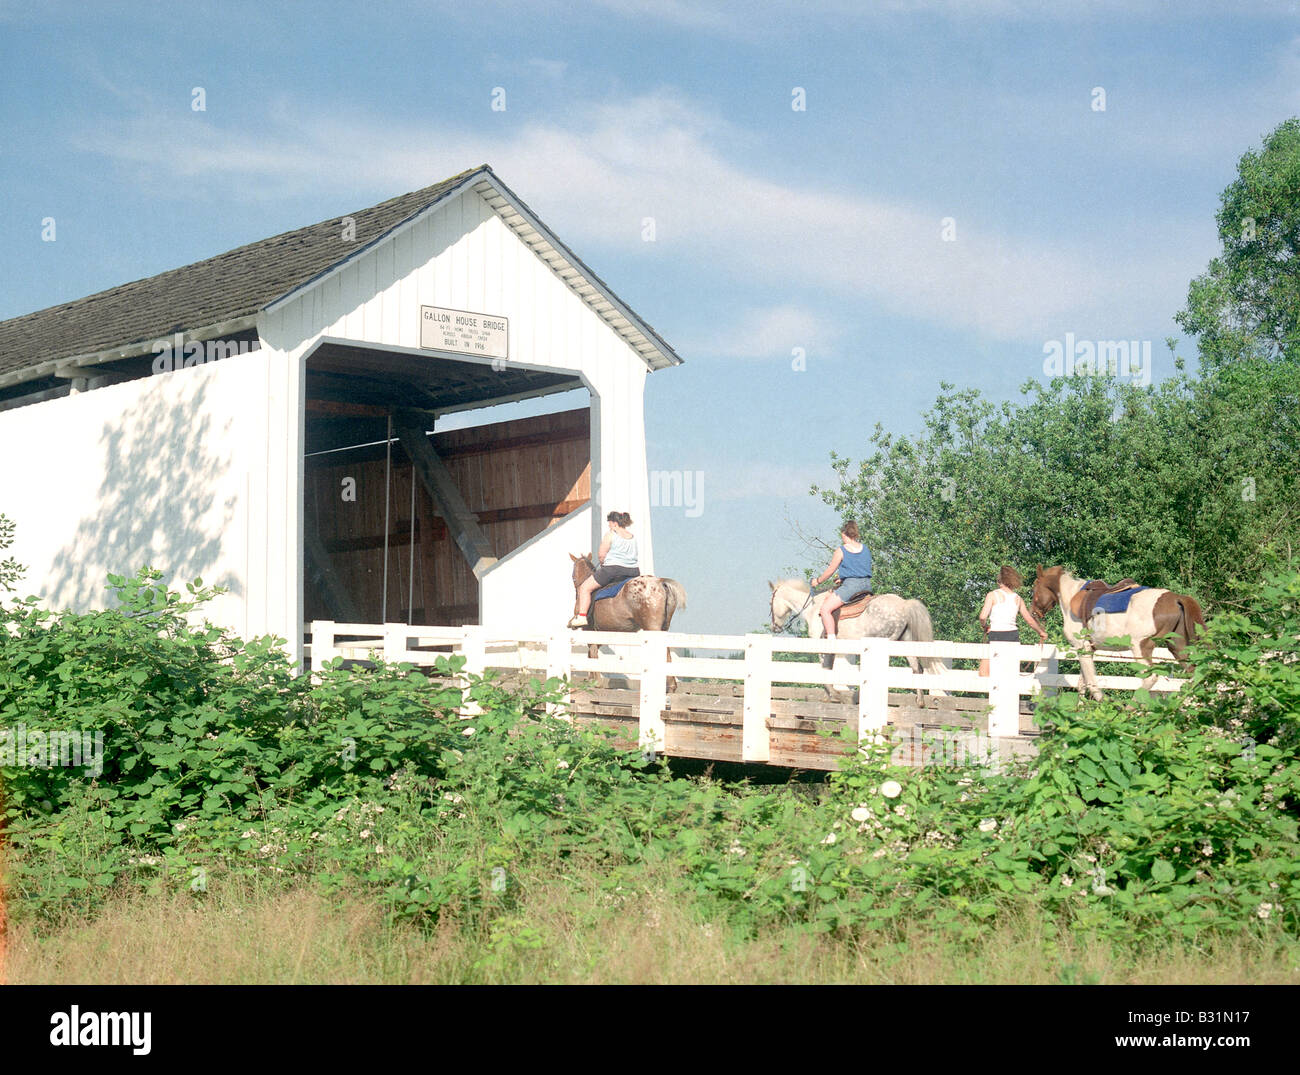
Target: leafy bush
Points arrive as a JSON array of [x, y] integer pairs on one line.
[[1136, 820]]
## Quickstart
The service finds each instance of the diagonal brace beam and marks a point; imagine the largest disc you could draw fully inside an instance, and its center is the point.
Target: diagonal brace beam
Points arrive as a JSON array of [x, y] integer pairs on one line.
[[462, 523], [327, 579]]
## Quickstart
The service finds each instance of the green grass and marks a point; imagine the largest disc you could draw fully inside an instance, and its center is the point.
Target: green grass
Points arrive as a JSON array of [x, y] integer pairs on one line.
[[562, 932]]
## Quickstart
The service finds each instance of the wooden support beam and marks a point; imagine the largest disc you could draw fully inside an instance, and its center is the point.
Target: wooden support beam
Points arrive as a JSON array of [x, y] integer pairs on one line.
[[327, 579], [350, 410], [457, 451], [461, 522], [399, 535]]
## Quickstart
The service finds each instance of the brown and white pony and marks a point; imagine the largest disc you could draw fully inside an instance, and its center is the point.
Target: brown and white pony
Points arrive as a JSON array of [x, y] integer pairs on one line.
[[1152, 615]]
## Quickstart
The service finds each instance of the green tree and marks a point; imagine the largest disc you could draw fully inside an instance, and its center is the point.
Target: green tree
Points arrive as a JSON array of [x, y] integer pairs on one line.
[[1247, 303]]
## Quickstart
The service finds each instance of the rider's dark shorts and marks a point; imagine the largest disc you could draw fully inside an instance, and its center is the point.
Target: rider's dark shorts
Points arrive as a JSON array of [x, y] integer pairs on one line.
[[607, 576], [1004, 636]]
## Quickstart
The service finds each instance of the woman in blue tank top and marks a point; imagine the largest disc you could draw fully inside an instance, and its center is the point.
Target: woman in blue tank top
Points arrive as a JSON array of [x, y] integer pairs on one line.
[[852, 562]]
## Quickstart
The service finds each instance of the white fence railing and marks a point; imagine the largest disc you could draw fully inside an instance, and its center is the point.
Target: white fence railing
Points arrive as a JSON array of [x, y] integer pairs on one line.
[[649, 657]]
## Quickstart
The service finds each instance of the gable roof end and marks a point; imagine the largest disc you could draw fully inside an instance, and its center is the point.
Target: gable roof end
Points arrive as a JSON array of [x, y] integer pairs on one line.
[[224, 294]]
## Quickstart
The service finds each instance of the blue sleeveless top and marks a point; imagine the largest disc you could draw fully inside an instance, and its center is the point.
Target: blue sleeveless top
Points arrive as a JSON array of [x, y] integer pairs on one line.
[[855, 565]]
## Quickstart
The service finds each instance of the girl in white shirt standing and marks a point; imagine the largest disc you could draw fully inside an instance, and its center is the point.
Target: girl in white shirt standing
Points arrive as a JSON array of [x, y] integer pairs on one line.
[[1001, 607]]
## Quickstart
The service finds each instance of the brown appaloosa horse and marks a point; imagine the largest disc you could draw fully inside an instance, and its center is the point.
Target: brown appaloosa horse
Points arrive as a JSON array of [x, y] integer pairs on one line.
[[645, 603], [1152, 615]]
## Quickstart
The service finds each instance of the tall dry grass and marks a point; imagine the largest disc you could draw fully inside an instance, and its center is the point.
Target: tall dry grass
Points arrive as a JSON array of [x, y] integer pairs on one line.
[[554, 935]]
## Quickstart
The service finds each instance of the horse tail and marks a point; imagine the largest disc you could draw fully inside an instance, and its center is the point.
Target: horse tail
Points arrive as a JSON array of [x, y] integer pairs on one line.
[[920, 629], [676, 600], [1192, 621]]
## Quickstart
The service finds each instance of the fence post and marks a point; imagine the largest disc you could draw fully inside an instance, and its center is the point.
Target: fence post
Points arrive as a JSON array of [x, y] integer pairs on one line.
[[473, 648], [873, 690], [1004, 689], [322, 644], [654, 690], [395, 640], [559, 665], [755, 739]]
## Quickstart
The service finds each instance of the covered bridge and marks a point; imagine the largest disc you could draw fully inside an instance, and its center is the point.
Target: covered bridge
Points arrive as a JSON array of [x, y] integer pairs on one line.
[[262, 419]]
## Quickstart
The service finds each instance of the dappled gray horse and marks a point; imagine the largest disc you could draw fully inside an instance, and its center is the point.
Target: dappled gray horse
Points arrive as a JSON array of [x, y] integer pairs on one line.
[[887, 616]]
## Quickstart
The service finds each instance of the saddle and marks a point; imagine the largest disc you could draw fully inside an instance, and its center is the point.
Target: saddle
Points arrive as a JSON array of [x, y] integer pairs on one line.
[[612, 590], [1083, 604], [853, 609]]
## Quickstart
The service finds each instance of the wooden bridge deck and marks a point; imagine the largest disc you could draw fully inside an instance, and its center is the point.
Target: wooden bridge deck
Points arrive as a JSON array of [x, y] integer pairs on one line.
[[806, 729]]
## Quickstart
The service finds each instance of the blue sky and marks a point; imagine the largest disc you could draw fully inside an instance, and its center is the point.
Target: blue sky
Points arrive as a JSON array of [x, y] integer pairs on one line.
[[775, 229]]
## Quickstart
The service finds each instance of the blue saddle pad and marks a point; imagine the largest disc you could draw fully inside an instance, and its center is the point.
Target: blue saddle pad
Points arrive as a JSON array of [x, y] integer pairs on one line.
[[1117, 602], [611, 590]]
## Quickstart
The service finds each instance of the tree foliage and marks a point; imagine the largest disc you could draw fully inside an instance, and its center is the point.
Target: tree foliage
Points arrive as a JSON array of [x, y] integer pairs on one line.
[[1247, 303], [1189, 484]]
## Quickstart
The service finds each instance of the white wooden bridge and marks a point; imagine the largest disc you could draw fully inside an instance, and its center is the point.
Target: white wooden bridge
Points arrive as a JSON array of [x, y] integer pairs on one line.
[[760, 703]]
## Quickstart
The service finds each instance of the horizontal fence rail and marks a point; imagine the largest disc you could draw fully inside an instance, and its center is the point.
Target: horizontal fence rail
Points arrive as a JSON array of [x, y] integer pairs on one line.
[[649, 662]]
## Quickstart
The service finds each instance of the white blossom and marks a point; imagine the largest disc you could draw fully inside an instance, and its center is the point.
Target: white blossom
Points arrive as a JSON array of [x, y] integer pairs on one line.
[[988, 825], [860, 813], [891, 789]]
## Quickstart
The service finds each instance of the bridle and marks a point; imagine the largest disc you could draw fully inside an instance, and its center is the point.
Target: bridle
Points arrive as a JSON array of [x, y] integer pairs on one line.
[[799, 612]]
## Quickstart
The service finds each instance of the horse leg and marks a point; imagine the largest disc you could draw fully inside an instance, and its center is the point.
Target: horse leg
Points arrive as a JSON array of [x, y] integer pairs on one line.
[[1088, 677], [915, 666], [1145, 651], [597, 678]]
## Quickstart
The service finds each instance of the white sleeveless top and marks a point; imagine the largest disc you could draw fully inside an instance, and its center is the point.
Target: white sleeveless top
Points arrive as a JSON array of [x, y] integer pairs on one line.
[[622, 552], [1002, 617]]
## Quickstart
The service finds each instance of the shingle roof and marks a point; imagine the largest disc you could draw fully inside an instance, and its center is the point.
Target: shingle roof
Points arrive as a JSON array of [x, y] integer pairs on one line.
[[231, 285]]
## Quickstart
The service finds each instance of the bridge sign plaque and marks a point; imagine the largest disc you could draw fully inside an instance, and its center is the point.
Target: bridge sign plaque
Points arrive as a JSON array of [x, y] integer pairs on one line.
[[464, 332]]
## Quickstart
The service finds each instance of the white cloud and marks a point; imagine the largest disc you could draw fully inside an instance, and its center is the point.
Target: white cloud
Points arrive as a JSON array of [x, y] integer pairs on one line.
[[595, 176], [768, 332]]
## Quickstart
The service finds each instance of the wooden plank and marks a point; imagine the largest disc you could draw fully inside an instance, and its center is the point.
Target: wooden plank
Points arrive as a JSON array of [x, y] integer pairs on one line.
[[841, 711], [580, 708], [695, 716], [706, 742]]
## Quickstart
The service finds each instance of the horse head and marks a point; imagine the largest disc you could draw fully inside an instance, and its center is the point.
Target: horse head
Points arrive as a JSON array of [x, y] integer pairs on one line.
[[583, 568], [1047, 590], [784, 600]]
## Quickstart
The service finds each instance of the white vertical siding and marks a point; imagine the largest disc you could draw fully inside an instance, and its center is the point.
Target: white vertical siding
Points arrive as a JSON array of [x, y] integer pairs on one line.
[[178, 471]]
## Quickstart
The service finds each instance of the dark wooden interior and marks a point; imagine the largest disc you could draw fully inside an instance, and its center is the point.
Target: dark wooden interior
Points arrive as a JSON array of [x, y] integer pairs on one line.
[[518, 477]]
